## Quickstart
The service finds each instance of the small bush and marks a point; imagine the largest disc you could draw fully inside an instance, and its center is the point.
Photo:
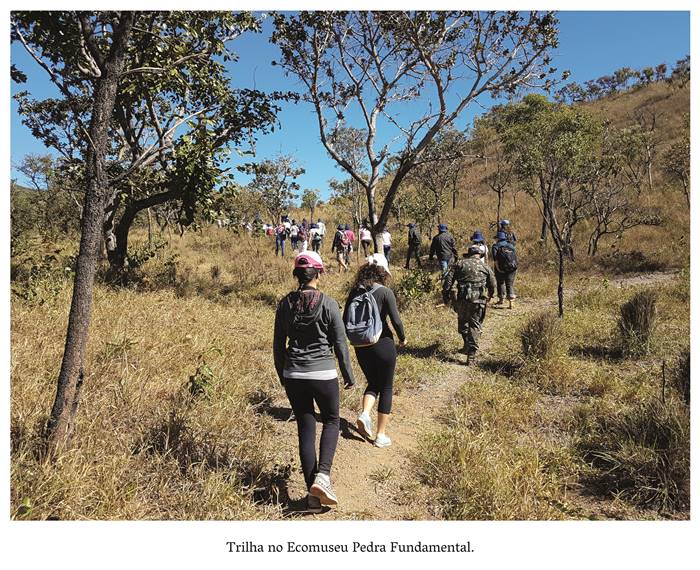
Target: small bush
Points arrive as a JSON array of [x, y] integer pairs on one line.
[[637, 323], [541, 336], [416, 285], [642, 454]]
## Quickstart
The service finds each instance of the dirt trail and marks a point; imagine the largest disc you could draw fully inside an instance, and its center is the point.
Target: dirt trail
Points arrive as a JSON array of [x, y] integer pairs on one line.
[[368, 480]]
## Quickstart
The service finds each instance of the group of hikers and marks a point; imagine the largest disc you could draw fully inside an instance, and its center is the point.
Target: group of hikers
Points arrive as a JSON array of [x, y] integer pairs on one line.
[[310, 333]]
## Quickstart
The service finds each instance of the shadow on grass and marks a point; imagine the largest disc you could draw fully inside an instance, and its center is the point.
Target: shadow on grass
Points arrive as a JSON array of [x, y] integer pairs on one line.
[[433, 350], [502, 366], [597, 352]]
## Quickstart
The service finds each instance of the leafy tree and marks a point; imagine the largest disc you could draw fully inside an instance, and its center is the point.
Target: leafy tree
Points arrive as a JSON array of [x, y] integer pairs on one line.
[[310, 199], [486, 141], [60, 43], [175, 114], [660, 71], [614, 182], [680, 75], [551, 147], [128, 82], [274, 182], [676, 161], [374, 64], [57, 204], [571, 93]]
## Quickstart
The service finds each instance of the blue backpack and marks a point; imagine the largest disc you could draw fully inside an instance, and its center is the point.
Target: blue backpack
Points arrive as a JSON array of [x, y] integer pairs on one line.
[[363, 321]]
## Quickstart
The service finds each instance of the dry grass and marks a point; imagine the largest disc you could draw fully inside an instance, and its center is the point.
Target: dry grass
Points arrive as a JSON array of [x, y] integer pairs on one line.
[[518, 437]]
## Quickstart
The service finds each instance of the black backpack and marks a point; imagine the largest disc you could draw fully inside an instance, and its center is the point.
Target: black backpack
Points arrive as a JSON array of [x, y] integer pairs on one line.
[[506, 259]]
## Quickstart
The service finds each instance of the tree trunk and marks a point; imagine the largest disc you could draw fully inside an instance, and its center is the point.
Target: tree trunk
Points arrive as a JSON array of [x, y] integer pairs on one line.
[[560, 287], [498, 208], [543, 230], [454, 199], [70, 379], [150, 229]]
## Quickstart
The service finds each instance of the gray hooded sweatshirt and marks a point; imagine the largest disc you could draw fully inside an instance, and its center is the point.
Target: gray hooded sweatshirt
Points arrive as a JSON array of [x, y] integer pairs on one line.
[[309, 335]]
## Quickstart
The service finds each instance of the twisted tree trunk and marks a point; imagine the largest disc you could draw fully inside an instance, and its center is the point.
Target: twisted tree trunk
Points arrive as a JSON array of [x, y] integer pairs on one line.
[[70, 379]]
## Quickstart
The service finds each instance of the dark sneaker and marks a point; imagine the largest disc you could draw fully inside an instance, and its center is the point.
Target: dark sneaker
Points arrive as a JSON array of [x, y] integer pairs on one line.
[[323, 490], [313, 504]]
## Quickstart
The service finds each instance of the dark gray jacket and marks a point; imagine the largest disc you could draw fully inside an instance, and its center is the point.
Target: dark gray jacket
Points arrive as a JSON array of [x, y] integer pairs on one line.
[[309, 335], [444, 247]]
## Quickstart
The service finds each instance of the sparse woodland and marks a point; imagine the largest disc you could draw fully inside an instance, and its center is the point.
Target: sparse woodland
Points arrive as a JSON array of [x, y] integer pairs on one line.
[[579, 407]]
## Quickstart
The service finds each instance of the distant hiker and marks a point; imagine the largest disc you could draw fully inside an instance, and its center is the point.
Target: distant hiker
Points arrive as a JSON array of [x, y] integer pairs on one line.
[[365, 240], [280, 238], [340, 245], [475, 287], [294, 235], [351, 237], [386, 240], [365, 316], [504, 226], [315, 237], [506, 264], [309, 335], [414, 242], [304, 237], [321, 231], [478, 239], [444, 248]]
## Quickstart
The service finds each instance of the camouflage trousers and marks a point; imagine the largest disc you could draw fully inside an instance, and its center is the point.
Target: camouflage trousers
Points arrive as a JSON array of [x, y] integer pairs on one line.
[[470, 317]]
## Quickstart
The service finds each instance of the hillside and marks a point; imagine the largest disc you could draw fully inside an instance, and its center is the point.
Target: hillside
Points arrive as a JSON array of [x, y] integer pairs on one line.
[[182, 416]]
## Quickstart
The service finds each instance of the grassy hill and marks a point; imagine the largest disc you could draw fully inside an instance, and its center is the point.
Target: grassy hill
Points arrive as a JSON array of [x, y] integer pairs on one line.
[[182, 416]]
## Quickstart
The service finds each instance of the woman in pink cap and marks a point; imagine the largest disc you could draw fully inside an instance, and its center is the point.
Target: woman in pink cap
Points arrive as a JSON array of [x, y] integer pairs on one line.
[[309, 336]]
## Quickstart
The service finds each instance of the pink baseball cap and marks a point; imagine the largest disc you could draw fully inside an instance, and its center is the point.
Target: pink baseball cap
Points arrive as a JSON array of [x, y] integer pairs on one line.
[[308, 259]]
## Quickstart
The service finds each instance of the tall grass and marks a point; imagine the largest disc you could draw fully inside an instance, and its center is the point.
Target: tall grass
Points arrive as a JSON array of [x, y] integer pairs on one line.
[[637, 322]]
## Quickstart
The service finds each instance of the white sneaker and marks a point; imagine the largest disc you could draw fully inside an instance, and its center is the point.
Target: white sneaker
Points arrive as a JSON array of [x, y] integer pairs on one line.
[[364, 425], [382, 440], [323, 490]]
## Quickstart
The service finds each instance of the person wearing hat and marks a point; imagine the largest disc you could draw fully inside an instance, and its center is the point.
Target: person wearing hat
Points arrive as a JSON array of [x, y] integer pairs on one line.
[[315, 237], [414, 241], [506, 264], [377, 361], [478, 239], [309, 336], [504, 226], [476, 284], [444, 248]]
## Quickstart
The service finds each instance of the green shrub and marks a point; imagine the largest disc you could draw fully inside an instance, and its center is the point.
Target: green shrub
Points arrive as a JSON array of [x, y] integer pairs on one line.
[[416, 285]]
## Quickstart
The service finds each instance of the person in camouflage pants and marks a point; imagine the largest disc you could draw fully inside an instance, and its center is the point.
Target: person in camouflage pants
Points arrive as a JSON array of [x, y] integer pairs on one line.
[[476, 284]]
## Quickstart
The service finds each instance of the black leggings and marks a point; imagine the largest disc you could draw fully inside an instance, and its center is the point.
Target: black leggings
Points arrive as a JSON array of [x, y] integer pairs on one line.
[[302, 394], [378, 363]]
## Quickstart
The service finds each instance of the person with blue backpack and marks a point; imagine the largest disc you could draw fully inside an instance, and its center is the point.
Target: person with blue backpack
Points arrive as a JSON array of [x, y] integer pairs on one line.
[[369, 304], [506, 264], [309, 336]]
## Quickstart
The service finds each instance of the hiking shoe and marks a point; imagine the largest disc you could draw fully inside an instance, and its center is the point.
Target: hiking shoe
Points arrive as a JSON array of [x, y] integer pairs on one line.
[[499, 302], [323, 490], [313, 504], [382, 440], [364, 425]]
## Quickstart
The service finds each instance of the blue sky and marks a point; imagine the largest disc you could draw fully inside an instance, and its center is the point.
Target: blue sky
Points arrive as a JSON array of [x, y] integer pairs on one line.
[[591, 44]]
